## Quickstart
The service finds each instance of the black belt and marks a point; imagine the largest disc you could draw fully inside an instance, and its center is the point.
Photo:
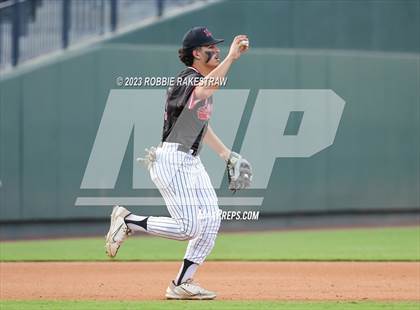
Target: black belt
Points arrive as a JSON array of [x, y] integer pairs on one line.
[[185, 149]]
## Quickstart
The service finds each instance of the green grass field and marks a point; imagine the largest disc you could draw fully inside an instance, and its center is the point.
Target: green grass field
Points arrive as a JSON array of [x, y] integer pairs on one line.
[[385, 244], [205, 305]]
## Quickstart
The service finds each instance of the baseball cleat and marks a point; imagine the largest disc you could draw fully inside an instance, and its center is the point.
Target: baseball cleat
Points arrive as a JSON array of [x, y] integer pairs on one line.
[[118, 231], [188, 290]]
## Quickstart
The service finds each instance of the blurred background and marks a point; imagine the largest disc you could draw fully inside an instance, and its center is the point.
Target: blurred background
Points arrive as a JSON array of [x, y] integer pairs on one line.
[[59, 60]]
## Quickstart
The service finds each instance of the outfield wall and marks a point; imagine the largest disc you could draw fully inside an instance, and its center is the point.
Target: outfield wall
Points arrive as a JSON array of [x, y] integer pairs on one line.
[[50, 116]]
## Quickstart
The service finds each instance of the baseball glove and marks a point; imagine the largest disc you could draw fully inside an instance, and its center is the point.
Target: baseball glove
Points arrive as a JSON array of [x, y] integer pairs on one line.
[[239, 172]]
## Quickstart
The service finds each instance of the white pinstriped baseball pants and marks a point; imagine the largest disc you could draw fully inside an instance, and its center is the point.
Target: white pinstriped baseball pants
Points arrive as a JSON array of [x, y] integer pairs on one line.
[[190, 198]]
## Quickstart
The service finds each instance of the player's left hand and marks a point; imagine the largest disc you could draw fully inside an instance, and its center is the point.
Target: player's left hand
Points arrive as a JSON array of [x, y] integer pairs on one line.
[[239, 172]]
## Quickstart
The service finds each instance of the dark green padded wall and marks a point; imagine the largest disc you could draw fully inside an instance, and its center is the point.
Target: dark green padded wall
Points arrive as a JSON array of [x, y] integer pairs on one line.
[[50, 117]]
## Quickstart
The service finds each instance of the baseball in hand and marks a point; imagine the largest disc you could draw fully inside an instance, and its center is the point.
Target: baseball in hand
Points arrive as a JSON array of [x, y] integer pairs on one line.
[[244, 43]]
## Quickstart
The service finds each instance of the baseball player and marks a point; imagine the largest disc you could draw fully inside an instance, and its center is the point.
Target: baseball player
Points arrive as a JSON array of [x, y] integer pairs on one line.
[[175, 166]]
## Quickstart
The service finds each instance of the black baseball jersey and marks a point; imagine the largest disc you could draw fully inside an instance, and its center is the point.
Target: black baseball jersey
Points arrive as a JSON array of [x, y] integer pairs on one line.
[[186, 119]]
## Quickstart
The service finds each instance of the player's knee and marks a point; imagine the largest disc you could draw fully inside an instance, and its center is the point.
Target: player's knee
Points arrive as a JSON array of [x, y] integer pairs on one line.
[[190, 234], [191, 230]]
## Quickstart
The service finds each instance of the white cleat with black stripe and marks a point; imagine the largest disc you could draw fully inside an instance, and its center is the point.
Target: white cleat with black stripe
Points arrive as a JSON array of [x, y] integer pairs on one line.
[[118, 231], [188, 290]]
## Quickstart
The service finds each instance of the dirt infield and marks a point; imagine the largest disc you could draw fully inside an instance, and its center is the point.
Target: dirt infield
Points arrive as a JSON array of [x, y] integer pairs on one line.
[[232, 280]]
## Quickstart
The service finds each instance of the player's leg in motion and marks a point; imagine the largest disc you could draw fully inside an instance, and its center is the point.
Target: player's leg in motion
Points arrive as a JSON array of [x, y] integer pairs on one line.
[[198, 248], [192, 203]]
